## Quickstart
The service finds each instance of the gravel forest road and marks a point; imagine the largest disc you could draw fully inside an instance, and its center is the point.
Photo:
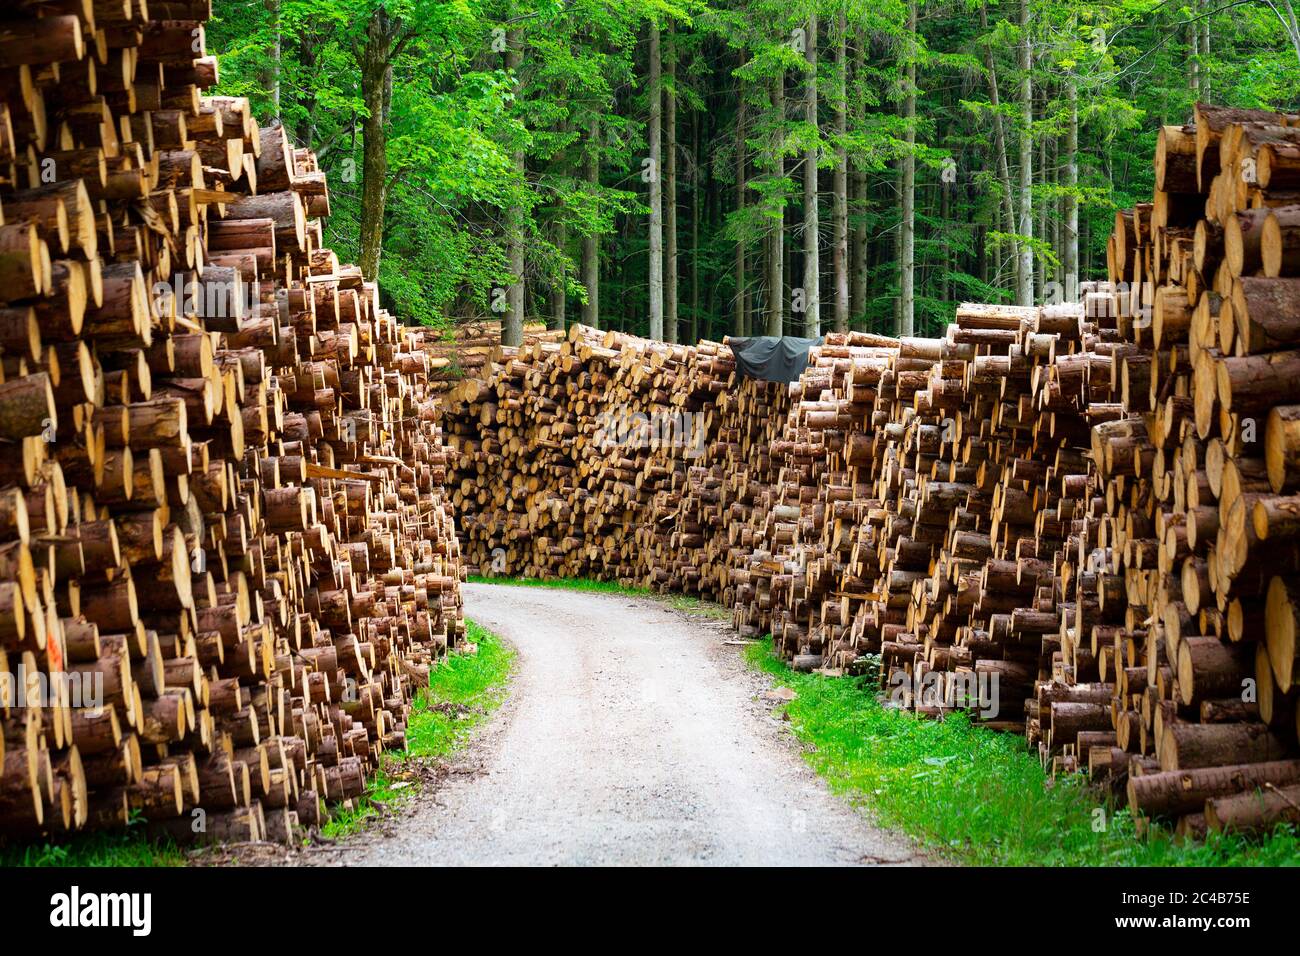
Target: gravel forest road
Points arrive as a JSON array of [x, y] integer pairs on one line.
[[632, 735]]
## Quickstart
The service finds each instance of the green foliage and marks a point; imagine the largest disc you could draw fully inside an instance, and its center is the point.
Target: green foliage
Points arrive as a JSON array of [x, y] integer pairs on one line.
[[975, 794], [462, 693], [458, 114]]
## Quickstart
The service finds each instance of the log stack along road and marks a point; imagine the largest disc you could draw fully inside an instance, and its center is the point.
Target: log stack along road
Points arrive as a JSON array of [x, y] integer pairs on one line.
[[221, 493], [237, 492]]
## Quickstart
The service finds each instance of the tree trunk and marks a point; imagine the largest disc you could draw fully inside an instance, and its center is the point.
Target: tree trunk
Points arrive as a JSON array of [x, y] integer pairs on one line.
[[1071, 256], [655, 133], [1205, 59], [907, 228], [1040, 264], [1194, 54], [558, 294], [840, 255], [1025, 276], [1000, 148], [776, 236], [858, 305], [693, 328], [670, 198], [374, 191], [591, 242], [270, 72], [858, 267], [306, 131], [512, 330], [742, 292], [812, 322]]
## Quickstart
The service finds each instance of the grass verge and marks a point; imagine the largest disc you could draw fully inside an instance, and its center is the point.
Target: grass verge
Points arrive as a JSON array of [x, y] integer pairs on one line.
[[462, 693], [679, 602], [129, 847], [563, 584], [977, 795]]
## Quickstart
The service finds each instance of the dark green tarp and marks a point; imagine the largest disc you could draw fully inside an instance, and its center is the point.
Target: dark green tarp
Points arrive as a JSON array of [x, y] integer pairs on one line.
[[772, 358]]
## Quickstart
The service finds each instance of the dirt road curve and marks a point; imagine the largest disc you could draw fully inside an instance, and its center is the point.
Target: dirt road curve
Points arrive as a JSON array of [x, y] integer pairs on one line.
[[632, 736]]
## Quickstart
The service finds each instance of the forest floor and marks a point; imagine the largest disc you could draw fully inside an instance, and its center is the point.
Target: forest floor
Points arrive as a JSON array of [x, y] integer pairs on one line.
[[634, 733]]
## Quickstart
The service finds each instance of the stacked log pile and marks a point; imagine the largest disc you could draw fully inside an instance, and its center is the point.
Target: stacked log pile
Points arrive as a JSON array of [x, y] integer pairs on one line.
[[1097, 506], [607, 456], [1207, 533], [463, 352], [222, 509], [1004, 516]]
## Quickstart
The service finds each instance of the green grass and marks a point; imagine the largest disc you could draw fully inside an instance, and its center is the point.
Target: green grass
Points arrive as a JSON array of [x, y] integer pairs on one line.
[[462, 693], [129, 847], [680, 602], [977, 795], [563, 584]]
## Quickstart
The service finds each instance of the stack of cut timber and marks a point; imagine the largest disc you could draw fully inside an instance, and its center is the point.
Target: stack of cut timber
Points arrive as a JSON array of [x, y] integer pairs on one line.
[[1020, 515], [462, 352], [1207, 527], [607, 456], [799, 537], [226, 564]]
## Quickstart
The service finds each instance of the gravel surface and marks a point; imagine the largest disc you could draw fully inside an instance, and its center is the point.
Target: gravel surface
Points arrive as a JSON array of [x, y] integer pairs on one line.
[[632, 735]]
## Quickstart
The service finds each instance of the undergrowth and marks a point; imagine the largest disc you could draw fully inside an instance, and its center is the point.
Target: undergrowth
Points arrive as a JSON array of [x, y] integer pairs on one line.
[[975, 794]]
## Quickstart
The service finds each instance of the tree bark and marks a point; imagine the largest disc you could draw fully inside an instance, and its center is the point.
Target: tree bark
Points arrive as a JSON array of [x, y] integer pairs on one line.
[[776, 235], [512, 330], [375, 55], [858, 304], [840, 255], [742, 292], [1194, 54], [670, 197], [655, 133], [1000, 148], [591, 242], [1040, 264], [272, 65], [558, 294], [692, 328], [812, 322], [1205, 58], [306, 132], [1071, 252], [907, 228], [1025, 276]]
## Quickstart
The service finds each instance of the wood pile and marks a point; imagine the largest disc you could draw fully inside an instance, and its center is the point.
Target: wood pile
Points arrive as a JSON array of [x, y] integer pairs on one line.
[[462, 352], [221, 513], [1205, 520], [607, 456], [1096, 506]]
